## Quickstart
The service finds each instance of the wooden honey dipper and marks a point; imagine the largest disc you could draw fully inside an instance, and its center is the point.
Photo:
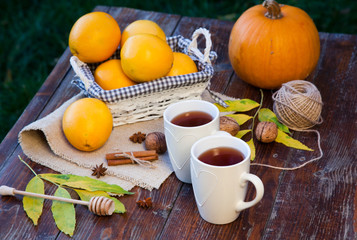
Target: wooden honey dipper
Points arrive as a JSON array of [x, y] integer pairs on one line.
[[101, 206]]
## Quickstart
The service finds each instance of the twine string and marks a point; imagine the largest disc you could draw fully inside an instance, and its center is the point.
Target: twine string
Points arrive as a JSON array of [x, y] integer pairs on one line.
[[298, 105], [302, 165], [131, 156]]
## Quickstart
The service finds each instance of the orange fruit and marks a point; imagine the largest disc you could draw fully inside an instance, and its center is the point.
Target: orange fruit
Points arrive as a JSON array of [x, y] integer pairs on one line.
[[142, 26], [109, 75], [87, 124], [94, 37], [145, 57], [183, 64]]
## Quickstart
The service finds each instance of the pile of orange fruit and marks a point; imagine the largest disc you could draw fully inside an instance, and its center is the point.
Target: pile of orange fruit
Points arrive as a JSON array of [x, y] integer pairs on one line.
[[144, 56]]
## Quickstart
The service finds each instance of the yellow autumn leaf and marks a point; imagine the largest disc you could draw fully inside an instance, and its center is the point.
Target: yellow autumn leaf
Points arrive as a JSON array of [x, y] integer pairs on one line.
[[290, 142], [241, 105], [241, 133], [252, 149], [64, 213], [86, 196], [267, 115], [240, 118], [33, 206], [86, 183]]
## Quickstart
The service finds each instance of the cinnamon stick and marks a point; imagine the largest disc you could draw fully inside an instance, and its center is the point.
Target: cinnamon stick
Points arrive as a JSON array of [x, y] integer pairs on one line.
[[137, 154], [118, 158], [116, 162]]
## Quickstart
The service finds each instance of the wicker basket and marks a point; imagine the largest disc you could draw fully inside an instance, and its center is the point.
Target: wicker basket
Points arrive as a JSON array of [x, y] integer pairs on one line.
[[147, 101]]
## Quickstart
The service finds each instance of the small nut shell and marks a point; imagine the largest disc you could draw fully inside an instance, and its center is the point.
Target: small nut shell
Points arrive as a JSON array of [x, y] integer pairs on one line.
[[266, 132], [156, 141], [229, 125]]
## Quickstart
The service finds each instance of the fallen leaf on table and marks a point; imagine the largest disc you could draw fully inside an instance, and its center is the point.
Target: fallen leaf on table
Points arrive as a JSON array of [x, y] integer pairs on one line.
[[32, 205], [264, 115], [85, 183], [240, 118], [64, 213], [241, 105], [241, 133], [290, 142]]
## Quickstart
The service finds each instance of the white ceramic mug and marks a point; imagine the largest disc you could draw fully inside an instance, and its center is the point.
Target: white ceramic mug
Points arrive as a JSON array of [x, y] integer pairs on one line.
[[220, 190], [179, 140]]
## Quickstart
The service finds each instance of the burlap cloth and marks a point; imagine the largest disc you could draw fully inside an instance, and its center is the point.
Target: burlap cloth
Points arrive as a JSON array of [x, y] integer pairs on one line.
[[43, 142]]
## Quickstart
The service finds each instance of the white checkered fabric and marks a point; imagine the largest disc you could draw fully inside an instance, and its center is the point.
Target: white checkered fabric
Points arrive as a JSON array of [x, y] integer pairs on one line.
[[177, 44]]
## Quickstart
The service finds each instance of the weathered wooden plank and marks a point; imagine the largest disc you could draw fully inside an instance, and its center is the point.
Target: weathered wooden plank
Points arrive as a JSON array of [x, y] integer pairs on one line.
[[12, 170], [137, 223], [14, 173], [250, 226], [318, 201], [252, 220], [227, 82], [14, 222], [184, 221], [17, 175], [38, 102], [66, 90]]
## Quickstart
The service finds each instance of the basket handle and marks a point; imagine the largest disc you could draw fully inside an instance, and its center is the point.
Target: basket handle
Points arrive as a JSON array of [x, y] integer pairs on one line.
[[192, 48], [77, 65]]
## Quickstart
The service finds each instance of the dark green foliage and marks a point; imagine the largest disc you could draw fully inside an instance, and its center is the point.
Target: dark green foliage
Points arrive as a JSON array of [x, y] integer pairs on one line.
[[34, 34]]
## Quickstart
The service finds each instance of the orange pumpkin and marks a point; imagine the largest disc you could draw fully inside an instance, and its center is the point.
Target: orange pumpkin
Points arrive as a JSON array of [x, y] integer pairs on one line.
[[271, 44]]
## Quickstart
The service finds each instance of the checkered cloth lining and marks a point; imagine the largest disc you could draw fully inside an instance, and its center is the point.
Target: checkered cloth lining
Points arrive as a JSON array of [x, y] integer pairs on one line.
[[177, 44]]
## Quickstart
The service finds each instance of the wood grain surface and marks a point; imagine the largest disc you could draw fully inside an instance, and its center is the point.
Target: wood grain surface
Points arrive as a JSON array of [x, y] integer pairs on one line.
[[315, 202]]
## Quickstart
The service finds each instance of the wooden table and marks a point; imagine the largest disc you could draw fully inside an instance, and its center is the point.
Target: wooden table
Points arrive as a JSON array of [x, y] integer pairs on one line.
[[315, 202]]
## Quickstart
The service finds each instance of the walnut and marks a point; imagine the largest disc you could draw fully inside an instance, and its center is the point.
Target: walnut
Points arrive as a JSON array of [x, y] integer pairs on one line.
[[229, 125], [156, 141], [266, 132]]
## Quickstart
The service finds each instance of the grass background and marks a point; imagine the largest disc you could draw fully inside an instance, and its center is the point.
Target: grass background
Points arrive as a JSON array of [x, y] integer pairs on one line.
[[34, 34]]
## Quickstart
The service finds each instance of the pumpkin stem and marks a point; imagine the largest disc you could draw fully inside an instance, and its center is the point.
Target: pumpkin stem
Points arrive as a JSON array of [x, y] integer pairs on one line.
[[273, 9]]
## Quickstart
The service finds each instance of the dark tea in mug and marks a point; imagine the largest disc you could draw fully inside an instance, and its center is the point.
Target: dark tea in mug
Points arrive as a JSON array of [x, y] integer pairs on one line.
[[221, 156], [192, 119]]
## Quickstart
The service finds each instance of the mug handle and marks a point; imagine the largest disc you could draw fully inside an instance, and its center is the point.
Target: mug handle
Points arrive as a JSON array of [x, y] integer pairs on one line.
[[259, 187]]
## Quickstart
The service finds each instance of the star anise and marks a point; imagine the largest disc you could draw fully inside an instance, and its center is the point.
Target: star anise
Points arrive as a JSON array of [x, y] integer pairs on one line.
[[145, 203], [138, 137], [99, 171]]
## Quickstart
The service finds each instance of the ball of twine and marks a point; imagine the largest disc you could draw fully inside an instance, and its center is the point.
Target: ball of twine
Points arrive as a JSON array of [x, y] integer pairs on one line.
[[298, 105]]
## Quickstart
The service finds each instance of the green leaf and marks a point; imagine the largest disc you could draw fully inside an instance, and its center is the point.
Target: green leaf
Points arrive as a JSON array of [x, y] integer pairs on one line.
[[33, 206], [241, 133], [242, 105], [266, 115], [240, 118], [86, 196], [64, 213], [290, 142], [252, 149], [85, 183]]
